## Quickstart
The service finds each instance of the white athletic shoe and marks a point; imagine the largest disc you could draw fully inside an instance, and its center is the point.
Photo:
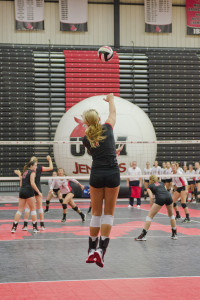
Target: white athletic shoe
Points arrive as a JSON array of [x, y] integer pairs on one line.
[[138, 206], [141, 237], [35, 230], [42, 228], [25, 228], [130, 206]]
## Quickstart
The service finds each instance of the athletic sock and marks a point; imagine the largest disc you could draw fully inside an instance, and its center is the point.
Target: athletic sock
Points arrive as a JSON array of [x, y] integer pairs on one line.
[[187, 216], [174, 228], [81, 214], [42, 223], [103, 237], [103, 244], [93, 238], [144, 232], [64, 216]]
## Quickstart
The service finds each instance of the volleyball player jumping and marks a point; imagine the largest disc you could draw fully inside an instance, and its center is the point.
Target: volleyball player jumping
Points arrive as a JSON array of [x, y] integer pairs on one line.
[[26, 194], [67, 194], [162, 197], [181, 190], [38, 197], [104, 179]]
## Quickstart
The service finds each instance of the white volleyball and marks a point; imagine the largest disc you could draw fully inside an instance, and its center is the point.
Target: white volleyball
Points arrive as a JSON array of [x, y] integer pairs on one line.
[[105, 53], [132, 125]]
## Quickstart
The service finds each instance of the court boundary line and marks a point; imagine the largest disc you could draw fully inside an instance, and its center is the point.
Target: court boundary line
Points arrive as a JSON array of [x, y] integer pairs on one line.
[[86, 238], [101, 279]]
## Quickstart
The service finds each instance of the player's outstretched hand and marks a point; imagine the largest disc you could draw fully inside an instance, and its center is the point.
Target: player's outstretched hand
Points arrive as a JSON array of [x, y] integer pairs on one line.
[[48, 157], [109, 97]]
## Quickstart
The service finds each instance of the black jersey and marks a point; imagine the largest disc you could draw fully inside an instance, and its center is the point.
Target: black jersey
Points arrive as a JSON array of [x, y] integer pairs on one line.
[[104, 155], [38, 175], [26, 190], [159, 190]]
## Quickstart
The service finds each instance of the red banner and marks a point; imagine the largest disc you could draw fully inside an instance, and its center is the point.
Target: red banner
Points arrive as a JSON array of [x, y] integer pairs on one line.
[[193, 17]]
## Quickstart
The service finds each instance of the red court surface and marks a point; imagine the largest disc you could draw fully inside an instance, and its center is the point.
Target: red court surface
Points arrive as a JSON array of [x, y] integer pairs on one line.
[[179, 288]]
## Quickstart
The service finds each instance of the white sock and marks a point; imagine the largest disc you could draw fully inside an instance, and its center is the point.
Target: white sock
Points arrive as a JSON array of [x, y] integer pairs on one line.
[[93, 238], [104, 237]]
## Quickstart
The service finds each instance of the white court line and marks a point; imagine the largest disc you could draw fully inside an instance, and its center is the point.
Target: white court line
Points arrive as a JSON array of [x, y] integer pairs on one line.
[[86, 238], [102, 279]]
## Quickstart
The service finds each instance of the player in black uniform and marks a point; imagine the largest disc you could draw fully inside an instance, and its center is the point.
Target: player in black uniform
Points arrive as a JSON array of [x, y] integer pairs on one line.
[[38, 197], [104, 179], [26, 194], [163, 197]]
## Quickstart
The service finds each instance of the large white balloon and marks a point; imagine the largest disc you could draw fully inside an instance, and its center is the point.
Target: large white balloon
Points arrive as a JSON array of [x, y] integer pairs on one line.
[[132, 125]]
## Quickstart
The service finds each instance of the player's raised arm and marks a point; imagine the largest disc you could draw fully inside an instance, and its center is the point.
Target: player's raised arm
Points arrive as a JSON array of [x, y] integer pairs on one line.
[[112, 110], [50, 167]]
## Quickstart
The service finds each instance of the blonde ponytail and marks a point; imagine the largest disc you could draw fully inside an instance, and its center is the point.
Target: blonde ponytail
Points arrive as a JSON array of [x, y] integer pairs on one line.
[[94, 132]]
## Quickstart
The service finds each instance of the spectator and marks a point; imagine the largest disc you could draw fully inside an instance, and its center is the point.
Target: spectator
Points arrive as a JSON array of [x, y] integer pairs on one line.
[[134, 181], [147, 171]]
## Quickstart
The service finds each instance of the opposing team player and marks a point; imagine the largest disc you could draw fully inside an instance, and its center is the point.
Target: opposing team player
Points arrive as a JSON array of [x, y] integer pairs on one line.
[[55, 193], [180, 190], [67, 194]]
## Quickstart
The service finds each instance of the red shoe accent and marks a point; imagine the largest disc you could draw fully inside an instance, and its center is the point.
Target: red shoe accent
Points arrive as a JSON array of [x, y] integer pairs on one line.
[[90, 259], [99, 260]]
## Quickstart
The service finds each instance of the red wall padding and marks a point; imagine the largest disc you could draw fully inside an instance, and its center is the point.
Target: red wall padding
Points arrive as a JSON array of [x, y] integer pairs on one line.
[[86, 75]]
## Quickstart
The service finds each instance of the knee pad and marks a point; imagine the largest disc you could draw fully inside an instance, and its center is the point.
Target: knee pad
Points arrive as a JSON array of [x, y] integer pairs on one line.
[[33, 213], [40, 210], [27, 210], [148, 219], [47, 202], [75, 208], [174, 204], [19, 212], [61, 201], [64, 206], [107, 219], [172, 217], [183, 205], [95, 221]]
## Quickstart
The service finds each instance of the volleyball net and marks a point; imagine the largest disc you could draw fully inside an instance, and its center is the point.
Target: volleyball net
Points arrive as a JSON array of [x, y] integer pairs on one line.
[[73, 157]]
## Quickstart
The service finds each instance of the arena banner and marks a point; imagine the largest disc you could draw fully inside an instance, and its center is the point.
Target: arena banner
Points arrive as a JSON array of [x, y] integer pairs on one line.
[[158, 16], [29, 14], [193, 17], [73, 15]]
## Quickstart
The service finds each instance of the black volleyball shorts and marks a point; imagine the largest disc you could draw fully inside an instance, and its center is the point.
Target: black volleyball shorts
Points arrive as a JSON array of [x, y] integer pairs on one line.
[[100, 178]]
